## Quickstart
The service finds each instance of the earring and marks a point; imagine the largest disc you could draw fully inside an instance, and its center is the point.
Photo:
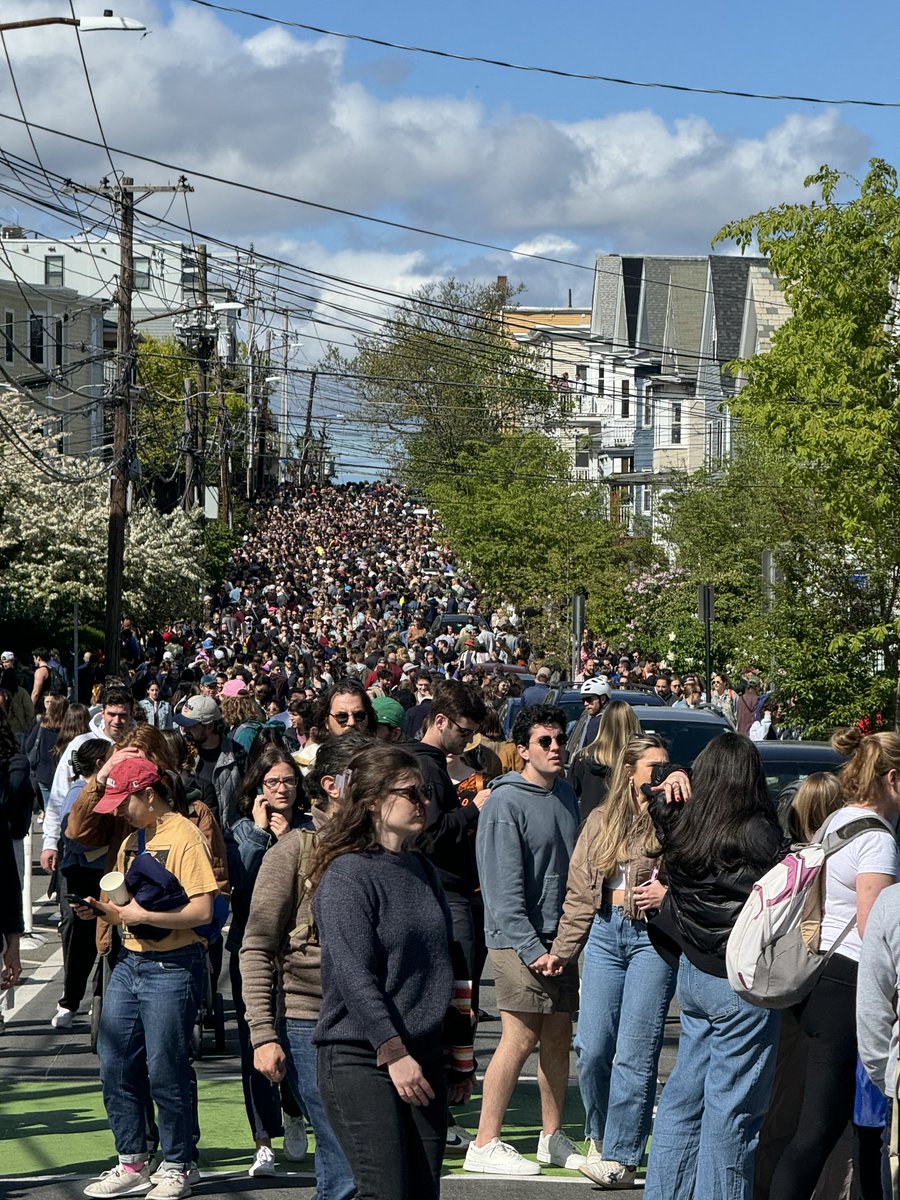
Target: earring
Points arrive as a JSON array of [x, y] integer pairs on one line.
[[150, 807]]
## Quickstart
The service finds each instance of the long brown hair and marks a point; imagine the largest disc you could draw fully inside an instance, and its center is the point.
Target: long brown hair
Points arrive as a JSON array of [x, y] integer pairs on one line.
[[622, 822], [77, 720], [55, 708], [153, 745], [371, 773]]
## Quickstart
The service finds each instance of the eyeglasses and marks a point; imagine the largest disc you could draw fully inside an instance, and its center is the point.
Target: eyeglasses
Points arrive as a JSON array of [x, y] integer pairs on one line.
[[546, 741], [280, 782], [469, 731], [357, 717], [415, 795]]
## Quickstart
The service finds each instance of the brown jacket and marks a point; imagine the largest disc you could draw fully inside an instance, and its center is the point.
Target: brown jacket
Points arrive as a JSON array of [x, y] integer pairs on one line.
[[584, 889], [106, 829], [281, 940]]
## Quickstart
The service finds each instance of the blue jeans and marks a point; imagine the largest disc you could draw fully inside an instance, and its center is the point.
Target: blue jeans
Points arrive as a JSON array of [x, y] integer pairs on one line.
[[626, 989], [713, 1104], [334, 1179], [149, 1009]]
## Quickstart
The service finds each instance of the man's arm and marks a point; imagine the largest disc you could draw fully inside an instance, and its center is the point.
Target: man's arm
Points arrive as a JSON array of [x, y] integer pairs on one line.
[[501, 869], [41, 675], [876, 1007]]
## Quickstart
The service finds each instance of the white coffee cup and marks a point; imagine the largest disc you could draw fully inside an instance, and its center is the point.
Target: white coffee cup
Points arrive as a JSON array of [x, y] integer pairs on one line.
[[113, 883]]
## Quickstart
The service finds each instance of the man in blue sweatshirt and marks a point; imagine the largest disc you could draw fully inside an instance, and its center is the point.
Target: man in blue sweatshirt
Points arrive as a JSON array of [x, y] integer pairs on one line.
[[526, 835]]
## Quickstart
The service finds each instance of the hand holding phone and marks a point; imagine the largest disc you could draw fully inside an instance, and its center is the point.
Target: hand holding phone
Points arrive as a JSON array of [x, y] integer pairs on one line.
[[80, 902]]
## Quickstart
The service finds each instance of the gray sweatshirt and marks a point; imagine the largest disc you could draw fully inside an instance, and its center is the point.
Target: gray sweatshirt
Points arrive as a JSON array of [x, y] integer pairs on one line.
[[525, 839], [877, 991]]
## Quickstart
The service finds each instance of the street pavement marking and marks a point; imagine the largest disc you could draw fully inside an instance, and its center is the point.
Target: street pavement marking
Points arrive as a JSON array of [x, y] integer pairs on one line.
[[26, 992]]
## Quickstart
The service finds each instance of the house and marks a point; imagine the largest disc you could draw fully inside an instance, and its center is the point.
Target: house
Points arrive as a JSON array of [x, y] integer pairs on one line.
[[52, 343]]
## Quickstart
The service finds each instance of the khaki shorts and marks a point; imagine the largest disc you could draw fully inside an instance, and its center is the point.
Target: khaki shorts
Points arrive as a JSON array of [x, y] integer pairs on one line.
[[519, 989]]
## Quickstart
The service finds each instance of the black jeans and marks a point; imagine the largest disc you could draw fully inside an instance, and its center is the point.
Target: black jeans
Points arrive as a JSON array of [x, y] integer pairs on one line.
[[395, 1149], [79, 938], [261, 1098], [828, 1019]]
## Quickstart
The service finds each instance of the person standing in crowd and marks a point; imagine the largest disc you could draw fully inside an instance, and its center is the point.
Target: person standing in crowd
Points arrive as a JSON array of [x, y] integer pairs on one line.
[[526, 835], [39, 744], [715, 846], [154, 992], [271, 804], [158, 710], [388, 983], [855, 876], [16, 794], [592, 766], [281, 943], [220, 760], [626, 987], [746, 705], [723, 699], [115, 718], [21, 707]]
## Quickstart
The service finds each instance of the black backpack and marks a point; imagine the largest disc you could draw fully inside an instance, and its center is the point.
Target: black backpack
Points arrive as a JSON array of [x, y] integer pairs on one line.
[[56, 685]]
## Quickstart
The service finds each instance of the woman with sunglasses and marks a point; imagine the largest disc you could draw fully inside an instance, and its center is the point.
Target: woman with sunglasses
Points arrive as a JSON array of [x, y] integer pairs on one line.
[[385, 1070], [626, 986], [271, 804]]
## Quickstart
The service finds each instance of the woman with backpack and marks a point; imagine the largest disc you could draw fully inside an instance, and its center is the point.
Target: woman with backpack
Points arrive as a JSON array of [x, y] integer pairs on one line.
[[718, 835], [271, 804], [40, 742], [854, 877]]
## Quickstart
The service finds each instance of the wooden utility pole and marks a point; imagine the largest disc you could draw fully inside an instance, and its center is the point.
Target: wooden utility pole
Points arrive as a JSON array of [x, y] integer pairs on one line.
[[203, 383], [263, 427], [122, 196], [307, 430]]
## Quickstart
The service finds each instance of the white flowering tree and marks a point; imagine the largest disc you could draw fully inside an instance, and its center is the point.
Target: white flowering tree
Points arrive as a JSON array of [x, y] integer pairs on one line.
[[53, 531]]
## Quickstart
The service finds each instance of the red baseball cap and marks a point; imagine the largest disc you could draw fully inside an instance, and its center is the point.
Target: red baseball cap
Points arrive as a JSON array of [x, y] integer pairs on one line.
[[129, 774]]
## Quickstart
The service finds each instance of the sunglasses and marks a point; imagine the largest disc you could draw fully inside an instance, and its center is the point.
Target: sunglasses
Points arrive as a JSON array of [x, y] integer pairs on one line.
[[546, 741], [415, 795], [467, 730], [343, 717]]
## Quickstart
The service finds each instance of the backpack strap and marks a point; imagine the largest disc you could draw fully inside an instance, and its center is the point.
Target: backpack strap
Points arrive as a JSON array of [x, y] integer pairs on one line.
[[304, 929], [142, 840], [813, 910], [848, 833]]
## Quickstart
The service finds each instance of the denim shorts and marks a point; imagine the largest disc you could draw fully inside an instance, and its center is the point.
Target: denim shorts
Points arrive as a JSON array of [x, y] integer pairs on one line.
[[519, 989]]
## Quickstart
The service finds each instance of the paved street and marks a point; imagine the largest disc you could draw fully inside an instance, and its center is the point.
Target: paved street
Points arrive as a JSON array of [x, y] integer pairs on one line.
[[53, 1131]]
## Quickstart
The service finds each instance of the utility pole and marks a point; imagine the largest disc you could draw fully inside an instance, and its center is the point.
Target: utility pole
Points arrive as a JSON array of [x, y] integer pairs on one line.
[[307, 430], [122, 197], [251, 376], [263, 427], [203, 378], [283, 430]]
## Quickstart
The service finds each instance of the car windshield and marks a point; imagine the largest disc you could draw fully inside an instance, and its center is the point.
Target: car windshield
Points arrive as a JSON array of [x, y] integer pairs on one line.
[[683, 741], [780, 774]]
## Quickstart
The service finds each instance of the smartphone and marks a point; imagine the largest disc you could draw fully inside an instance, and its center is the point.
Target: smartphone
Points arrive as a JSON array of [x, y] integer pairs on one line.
[[73, 899]]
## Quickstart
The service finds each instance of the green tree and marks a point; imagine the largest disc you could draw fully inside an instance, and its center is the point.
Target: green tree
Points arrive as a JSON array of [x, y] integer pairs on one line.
[[826, 393], [443, 374]]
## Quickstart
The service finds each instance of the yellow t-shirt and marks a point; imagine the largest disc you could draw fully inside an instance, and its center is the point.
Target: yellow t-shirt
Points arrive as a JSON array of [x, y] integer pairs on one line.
[[181, 848]]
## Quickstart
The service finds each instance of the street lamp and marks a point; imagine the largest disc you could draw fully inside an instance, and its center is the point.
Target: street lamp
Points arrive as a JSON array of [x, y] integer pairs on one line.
[[84, 24]]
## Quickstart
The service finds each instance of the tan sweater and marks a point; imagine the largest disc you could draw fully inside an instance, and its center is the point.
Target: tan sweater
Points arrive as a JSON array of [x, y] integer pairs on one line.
[[281, 943]]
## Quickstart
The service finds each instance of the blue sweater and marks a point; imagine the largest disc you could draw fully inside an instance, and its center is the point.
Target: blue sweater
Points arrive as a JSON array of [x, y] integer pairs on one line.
[[385, 931], [525, 839]]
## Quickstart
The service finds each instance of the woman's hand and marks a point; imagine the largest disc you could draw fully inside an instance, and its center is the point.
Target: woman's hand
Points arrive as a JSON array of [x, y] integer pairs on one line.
[[11, 963], [412, 1086], [278, 824], [649, 895], [676, 789], [261, 813], [554, 965], [116, 757], [459, 1092]]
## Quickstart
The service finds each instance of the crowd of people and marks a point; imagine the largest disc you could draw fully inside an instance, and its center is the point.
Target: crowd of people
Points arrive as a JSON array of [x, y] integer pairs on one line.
[[314, 778]]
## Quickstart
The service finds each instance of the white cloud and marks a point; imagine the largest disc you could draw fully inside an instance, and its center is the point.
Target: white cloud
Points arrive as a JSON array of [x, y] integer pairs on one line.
[[284, 113]]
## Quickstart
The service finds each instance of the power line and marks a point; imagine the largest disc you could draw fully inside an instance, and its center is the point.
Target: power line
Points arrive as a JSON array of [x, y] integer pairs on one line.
[[535, 70]]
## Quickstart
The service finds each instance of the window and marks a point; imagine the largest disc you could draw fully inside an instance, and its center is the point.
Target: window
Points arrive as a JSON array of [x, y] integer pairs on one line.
[[626, 399], [626, 465], [676, 423], [141, 273], [648, 408], [581, 379], [36, 338], [601, 382], [9, 335], [58, 328], [54, 270], [582, 452], [647, 496]]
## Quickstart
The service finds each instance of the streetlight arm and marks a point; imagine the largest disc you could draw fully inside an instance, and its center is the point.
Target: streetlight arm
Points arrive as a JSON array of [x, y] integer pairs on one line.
[[85, 24]]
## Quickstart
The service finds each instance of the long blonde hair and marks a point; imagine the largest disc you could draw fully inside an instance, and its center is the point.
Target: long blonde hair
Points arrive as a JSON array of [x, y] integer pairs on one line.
[[870, 758], [617, 724], [622, 823], [817, 796]]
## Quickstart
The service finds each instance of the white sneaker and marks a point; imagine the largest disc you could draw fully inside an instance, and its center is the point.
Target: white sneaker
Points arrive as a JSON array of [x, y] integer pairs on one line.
[[609, 1173], [171, 1184], [559, 1149], [119, 1182], [63, 1018], [498, 1158], [264, 1163], [458, 1140], [156, 1176], [296, 1142]]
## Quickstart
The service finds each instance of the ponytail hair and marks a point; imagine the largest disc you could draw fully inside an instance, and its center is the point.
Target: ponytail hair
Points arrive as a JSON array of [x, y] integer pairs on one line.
[[868, 759]]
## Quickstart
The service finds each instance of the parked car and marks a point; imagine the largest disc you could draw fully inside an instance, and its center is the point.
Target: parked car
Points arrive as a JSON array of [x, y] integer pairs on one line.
[[457, 622], [571, 701], [685, 731], [788, 763]]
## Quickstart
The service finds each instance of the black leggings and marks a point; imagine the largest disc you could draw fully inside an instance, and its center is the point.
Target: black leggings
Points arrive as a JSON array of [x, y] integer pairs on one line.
[[828, 1018]]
